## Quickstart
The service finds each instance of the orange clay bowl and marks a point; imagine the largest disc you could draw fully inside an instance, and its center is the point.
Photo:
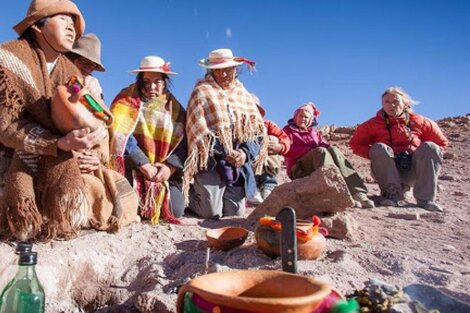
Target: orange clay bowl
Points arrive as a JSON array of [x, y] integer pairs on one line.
[[258, 290], [226, 238]]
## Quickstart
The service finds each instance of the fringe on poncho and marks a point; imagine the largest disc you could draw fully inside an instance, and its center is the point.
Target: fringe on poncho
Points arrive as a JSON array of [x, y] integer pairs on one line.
[[225, 115]]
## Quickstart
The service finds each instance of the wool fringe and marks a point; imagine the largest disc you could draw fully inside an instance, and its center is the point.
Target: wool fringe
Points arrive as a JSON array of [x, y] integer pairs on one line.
[[23, 219]]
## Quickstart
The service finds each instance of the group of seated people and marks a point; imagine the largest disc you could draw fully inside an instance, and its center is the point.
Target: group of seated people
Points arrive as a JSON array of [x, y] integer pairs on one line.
[[158, 159]]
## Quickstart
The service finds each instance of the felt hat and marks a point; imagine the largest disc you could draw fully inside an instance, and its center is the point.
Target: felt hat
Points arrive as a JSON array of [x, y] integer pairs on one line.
[[89, 47], [39, 9]]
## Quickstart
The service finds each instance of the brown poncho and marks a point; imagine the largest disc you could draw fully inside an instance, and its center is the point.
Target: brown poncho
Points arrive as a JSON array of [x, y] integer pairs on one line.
[[53, 201]]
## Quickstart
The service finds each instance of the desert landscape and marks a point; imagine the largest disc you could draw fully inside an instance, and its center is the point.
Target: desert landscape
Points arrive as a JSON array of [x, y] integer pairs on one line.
[[141, 268]]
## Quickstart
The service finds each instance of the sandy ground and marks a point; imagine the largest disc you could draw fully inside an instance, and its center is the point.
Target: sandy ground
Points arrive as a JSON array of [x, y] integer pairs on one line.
[[141, 268]]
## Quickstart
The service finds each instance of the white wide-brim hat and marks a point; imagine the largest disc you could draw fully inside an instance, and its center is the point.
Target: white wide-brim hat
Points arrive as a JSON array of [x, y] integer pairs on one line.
[[220, 58], [154, 64]]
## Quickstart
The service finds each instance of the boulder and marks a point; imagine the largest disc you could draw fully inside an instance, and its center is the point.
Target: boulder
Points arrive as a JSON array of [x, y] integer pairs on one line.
[[341, 225], [323, 191]]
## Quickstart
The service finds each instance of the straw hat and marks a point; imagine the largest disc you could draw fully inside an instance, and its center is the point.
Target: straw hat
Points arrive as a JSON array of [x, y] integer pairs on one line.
[[220, 58], [39, 9], [154, 64], [89, 47]]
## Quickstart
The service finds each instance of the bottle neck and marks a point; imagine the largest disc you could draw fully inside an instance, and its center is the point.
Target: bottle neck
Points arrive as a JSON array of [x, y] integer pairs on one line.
[[27, 271]]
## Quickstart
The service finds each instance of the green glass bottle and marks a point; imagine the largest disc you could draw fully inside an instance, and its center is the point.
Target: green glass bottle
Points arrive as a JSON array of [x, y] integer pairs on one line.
[[10, 271], [24, 294]]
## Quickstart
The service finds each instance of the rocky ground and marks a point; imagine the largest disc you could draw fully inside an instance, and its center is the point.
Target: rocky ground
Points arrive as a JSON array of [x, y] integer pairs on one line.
[[141, 268]]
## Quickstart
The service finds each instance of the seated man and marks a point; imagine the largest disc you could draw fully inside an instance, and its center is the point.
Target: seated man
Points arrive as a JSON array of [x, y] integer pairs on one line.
[[86, 55], [278, 146], [45, 195], [404, 149]]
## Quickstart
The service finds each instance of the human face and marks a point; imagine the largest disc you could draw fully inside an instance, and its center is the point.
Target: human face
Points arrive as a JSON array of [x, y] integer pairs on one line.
[[224, 76], [393, 104], [154, 84], [85, 66], [59, 32], [302, 119]]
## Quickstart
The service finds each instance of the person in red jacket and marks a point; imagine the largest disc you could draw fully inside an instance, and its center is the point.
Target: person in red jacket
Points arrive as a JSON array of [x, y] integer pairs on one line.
[[404, 149], [279, 145], [310, 151]]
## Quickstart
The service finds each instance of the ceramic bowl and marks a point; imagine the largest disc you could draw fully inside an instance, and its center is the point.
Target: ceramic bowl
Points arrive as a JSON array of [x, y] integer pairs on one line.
[[226, 238]]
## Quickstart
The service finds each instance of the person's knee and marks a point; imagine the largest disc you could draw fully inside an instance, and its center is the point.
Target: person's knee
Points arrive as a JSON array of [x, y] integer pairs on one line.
[[429, 149], [321, 150], [378, 150]]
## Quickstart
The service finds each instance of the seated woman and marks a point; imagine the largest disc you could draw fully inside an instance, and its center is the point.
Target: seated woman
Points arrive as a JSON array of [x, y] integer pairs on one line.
[[404, 149], [278, 146], [225, 132], [310, 151], [148, 140]]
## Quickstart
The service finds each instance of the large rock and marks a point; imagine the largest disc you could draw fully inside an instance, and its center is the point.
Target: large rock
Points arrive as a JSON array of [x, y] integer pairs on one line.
[[341, 226], [324, 191]]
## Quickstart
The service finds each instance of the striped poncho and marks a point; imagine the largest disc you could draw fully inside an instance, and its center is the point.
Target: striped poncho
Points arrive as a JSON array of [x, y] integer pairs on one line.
[[158, 127]]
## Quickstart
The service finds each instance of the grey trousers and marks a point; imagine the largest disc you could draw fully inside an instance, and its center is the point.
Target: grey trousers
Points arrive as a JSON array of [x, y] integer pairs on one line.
[[425, 166], [320, 157], [210, 197]]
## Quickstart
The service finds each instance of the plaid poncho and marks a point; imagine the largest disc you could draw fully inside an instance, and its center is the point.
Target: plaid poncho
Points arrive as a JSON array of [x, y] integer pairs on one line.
[[158, 127], [227, 115]]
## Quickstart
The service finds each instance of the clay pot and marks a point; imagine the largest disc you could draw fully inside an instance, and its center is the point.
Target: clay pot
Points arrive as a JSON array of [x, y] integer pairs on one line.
[[257, 291], [68, 113], [269, 241], [226, 238]]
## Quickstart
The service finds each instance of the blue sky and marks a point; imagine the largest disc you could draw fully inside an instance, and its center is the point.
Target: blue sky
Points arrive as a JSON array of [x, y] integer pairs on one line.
[[339, 54]]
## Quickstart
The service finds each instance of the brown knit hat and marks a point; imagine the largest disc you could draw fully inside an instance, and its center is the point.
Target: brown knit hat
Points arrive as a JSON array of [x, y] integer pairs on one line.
[[89, 47], [39, 9]]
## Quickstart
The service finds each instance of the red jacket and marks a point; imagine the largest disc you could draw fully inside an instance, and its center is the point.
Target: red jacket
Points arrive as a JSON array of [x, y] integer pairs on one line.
[[276, 131], [375, 131]]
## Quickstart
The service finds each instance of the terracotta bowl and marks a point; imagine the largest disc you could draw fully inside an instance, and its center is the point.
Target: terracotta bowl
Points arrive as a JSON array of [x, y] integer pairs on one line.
[[257, 291], [226, 238], [269, 241]]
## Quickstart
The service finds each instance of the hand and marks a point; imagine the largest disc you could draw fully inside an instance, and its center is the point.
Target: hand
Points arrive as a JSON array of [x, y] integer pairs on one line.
[[274, 148], [164, 172], [88, 162], [236, 158], [81, 139], [149, 171], [94, 87]]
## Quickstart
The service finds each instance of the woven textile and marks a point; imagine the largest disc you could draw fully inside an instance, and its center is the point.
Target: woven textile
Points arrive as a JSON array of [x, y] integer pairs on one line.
[[226, 115], [158, 127]]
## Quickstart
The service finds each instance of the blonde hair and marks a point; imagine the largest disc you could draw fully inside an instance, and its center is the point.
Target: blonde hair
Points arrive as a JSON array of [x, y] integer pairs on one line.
[[398, 91]]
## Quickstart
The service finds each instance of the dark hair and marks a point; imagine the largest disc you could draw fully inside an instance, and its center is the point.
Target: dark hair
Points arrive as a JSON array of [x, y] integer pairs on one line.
[[28, 34], [140, 82]]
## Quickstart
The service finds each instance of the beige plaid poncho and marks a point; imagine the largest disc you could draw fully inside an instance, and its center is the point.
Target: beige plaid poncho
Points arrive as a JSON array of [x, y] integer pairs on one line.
[[227, 115]]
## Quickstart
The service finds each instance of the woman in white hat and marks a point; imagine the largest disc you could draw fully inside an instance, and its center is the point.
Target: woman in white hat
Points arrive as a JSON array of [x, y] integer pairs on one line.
[[30, 70], [225, 140], [149, 141]]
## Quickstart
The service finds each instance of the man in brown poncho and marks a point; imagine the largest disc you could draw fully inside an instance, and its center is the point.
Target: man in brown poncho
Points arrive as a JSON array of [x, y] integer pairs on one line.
[[45, 195]]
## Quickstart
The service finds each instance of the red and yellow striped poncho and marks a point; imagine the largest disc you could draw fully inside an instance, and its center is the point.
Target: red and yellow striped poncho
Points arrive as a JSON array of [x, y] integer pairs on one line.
[[158, 127]]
